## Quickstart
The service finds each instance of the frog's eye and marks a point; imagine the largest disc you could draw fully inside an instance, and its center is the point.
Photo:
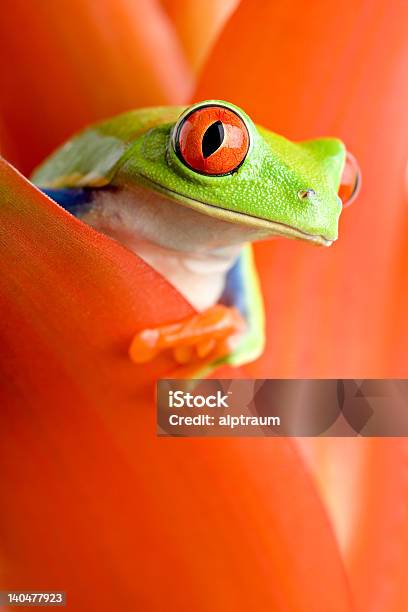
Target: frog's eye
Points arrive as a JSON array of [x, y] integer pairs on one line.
[[350, 180], [212, 140]]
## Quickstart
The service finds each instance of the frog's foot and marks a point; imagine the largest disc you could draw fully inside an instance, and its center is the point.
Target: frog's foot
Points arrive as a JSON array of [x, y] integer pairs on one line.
[[210, 334]]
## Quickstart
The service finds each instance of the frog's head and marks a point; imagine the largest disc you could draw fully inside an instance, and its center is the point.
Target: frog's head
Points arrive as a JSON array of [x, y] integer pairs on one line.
[[215, 160]]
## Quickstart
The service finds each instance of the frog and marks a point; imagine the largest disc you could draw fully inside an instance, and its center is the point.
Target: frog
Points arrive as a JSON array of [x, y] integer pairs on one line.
[[189, 190]]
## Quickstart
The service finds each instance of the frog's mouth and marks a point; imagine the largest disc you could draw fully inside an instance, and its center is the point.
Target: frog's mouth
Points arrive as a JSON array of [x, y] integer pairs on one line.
[[272, 228]]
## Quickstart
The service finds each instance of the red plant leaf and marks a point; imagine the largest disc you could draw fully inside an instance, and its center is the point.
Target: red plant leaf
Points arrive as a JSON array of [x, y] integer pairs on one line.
[[92, 502], [71, 300], [198, 23], [69, 63]]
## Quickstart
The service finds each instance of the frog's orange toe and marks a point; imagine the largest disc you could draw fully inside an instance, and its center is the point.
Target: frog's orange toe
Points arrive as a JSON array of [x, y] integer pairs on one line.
[[205, 347], [203, 335], [144, 346], [183, 354]]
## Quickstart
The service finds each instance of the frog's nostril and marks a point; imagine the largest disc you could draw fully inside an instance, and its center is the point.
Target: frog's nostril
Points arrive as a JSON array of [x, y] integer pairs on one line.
[[304, 194]]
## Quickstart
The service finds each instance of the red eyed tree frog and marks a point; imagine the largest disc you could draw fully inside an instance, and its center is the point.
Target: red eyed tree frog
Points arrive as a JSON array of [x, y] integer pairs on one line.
[[188, 190]]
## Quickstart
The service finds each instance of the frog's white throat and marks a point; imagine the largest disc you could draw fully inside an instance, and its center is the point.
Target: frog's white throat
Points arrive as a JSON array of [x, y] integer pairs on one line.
[[191, 250]]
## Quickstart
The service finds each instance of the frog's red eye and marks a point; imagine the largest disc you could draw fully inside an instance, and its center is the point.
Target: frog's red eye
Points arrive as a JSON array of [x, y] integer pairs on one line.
[[350, 180], [212, 140]]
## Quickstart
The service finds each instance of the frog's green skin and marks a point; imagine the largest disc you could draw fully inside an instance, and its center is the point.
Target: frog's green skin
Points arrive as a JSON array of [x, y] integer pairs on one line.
[[134, 154]]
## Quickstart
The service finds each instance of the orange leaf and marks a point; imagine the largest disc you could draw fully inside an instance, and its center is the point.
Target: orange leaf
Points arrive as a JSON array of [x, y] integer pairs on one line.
[[378, 556], [365, 483], [198, 23], [92, 502], [68, 63], [71, 300]]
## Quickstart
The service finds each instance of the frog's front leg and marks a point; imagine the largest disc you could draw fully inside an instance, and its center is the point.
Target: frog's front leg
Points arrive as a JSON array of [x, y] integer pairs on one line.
[[208, 334], [229, 332], [242, 291], [211, 335]]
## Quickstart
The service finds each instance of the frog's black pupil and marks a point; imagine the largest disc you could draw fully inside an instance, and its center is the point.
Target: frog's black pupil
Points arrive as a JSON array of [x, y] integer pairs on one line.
[[212, 139]]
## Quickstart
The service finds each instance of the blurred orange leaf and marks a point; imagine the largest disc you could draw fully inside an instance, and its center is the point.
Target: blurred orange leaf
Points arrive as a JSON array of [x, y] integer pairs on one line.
[[68, 63], [378, 554], [198, 23]]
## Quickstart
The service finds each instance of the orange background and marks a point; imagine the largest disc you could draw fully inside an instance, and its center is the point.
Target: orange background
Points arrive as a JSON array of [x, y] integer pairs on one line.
[[89, 495]]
